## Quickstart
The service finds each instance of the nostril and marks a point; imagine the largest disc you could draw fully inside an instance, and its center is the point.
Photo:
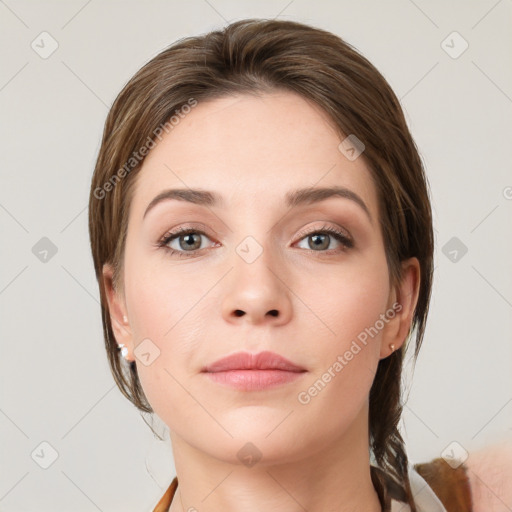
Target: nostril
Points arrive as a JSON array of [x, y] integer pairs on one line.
[[273, 312], [238, 312]]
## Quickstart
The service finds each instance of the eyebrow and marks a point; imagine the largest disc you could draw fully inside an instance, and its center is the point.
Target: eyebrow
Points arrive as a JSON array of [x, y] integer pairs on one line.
[[293, 198]]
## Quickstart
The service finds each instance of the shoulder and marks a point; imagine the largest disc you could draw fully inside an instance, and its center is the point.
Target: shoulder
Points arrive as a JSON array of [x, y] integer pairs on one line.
[[490, 477], [481, 484], [450, 485]]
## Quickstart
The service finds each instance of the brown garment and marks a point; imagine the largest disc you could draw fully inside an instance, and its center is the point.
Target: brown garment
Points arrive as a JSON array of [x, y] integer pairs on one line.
[[451, 486], [165, 501]]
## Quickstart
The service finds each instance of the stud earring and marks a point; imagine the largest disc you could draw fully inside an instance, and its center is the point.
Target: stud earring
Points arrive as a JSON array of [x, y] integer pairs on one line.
[[392, 347], [125, 319], [124, 350]]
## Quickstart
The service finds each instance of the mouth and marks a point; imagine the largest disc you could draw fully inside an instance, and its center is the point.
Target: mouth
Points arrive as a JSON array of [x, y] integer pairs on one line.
[[246, 361], [253, 372], [254, 380]]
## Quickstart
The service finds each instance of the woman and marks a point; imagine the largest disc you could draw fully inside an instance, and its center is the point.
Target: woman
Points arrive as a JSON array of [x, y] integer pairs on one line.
[[262, 235]]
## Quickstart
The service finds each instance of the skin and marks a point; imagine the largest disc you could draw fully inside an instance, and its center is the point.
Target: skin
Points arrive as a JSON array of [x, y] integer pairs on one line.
[[490, 473], [252, 151]]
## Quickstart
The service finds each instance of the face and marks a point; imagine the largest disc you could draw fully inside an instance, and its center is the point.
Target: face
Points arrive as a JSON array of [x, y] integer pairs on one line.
[[257, 270]]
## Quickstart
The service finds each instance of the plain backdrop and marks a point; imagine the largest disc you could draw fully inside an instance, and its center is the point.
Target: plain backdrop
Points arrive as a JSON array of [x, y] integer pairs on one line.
[[59, 406]]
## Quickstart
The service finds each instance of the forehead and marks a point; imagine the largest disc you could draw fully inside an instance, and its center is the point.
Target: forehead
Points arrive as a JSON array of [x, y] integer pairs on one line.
[[251, 148]]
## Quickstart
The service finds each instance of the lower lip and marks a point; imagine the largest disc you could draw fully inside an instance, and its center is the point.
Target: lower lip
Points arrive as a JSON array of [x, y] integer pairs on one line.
[[254, 380]]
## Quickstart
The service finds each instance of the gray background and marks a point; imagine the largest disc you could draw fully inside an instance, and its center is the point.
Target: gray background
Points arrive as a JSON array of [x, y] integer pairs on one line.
[[55, 385]]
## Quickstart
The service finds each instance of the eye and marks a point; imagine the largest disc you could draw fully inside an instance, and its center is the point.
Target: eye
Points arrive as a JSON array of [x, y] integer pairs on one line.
[[185, 240], [320, 239]]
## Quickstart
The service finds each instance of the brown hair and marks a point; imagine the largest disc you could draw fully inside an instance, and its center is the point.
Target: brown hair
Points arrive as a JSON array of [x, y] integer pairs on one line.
[[257, 56]]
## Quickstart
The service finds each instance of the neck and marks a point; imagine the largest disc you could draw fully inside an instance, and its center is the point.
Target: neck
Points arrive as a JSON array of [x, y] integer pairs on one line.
[[335, 478]]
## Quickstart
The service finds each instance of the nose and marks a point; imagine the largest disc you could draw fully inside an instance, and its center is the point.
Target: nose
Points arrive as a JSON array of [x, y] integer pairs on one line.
[[257, 292]]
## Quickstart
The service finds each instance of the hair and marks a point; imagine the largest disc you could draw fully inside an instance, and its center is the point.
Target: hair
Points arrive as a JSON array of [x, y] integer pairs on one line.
[[258, 56]]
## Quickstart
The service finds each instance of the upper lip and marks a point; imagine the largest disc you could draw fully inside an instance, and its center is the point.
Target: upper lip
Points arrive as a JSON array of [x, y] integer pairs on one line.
[[246, 361]]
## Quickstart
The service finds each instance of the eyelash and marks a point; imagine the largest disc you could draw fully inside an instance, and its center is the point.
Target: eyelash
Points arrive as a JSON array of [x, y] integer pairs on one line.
[[341, 237]]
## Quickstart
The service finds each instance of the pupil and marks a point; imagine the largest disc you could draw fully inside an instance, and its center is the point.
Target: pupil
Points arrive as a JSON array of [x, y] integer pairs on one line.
[[189, 240], [319, 240]]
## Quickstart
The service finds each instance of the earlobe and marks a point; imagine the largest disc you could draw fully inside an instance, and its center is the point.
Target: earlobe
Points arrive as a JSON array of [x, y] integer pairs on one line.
[[405, 297]]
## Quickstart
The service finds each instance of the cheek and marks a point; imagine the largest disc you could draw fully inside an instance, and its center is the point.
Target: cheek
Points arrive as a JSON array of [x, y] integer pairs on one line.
[[164, 301], [345, 299], [169, 310], [347, 345], [155, 309]]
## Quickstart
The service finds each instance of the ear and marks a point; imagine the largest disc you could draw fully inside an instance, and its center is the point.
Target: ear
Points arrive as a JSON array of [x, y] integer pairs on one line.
[[405, 297], [117, 309]]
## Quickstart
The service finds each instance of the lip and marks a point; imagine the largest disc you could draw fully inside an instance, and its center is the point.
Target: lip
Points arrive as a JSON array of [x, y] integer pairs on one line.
[[246, 361], [253, 372]]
